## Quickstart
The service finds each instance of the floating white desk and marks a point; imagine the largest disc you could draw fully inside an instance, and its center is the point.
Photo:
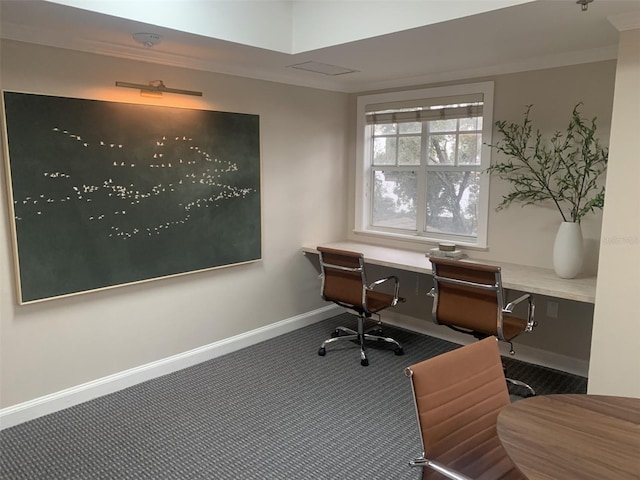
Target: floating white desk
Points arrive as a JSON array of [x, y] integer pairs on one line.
[[524, 278]]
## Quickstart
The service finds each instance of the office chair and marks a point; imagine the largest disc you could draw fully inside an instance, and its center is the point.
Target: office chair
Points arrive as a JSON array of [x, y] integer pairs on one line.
[[469, 298], [458, 396], [344, 283]]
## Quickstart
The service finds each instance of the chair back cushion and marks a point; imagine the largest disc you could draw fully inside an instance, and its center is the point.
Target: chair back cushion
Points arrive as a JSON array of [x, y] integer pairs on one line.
[[342, 286], [467, 307], [458, 397]]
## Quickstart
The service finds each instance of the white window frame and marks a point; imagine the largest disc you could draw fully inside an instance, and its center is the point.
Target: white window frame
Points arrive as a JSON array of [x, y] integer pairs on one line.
[[363, 203]]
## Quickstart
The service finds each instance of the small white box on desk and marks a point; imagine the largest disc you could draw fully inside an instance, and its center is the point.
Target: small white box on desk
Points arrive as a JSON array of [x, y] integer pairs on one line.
[[452, 254]]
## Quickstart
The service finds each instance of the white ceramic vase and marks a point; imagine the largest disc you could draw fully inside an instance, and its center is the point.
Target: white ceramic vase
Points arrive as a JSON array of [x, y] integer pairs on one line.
[[568, 250]]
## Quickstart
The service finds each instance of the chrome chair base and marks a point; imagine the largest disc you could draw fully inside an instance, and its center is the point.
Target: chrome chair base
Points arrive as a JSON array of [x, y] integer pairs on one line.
[[361, 336]]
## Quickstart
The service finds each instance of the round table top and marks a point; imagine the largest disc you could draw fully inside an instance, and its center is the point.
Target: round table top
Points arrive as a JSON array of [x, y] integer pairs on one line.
[[573, 437]]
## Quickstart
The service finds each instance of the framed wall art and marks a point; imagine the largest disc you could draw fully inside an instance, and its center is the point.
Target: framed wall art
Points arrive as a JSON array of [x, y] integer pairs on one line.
[[104, 194]]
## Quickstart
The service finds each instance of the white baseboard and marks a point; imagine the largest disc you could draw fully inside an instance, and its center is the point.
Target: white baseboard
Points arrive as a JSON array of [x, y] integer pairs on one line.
[[524, 353], [69, 397]]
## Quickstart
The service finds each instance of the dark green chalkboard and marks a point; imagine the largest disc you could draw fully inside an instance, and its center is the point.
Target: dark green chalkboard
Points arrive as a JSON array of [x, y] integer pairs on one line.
[[108, 194]]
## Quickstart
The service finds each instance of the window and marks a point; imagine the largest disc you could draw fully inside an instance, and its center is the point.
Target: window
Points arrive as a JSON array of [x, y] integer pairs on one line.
[[421, 154]]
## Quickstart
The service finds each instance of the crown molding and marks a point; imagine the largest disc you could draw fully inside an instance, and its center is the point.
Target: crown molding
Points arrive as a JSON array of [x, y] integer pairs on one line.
[[625, 21]]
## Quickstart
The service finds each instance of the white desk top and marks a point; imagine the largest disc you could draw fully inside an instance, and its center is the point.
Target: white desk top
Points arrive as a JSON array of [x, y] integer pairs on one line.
[[524, 278]]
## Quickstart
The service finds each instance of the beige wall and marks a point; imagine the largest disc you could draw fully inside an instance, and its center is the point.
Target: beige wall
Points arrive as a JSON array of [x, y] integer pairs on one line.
[[53, 345], [525, 235], [615, 350]]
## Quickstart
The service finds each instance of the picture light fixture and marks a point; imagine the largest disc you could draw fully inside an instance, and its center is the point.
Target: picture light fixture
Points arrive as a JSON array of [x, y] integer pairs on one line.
[[584, 4], [157, 87]]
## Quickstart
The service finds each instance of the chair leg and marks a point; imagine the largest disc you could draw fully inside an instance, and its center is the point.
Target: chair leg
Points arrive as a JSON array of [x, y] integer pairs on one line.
[[375, 329], [398, 348], [322, 350], [379, 337], [364, 361], [343, 333]]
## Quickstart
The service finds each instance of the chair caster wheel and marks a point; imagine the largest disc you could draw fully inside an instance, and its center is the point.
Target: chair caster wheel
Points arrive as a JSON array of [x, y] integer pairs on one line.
[[364, 362], [399, 351], [322, 351], [335, 334]]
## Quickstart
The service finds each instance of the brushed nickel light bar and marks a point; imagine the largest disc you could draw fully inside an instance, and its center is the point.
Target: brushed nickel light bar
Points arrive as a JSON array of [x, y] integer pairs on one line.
[[157, 86]]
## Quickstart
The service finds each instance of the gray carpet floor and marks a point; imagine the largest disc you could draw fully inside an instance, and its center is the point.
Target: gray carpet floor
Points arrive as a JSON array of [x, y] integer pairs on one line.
[[275, 410]]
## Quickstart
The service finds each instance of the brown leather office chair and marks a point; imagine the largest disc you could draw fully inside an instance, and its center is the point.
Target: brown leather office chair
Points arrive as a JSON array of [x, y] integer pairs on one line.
[[458, 396], [469, 298], [344, 283]]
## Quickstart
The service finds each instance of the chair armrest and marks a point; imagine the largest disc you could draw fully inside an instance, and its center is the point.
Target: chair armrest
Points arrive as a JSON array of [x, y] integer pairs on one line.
[[396, 288], [512, 304], [530, 309], [438, 467]]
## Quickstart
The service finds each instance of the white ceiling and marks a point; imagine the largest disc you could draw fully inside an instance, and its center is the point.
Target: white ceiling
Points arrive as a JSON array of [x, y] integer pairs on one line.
[[291, 26], [531, 35]]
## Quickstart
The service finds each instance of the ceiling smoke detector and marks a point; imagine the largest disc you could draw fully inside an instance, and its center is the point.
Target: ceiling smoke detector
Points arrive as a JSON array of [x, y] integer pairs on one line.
[[147, 39]]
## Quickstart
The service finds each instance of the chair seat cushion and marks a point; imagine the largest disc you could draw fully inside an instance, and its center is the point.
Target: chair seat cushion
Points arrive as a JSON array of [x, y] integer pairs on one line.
[[377, 301], [513, 326]]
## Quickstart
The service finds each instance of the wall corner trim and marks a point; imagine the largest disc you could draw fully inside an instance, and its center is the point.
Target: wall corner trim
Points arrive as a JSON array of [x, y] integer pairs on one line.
[[38, 407]]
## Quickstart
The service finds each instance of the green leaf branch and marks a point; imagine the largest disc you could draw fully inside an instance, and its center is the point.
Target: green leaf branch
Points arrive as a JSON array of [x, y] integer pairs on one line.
[[564, 170]]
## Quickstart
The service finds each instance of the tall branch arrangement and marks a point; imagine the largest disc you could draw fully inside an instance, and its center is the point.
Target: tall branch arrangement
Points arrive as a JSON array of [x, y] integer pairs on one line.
[[564, 170]]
